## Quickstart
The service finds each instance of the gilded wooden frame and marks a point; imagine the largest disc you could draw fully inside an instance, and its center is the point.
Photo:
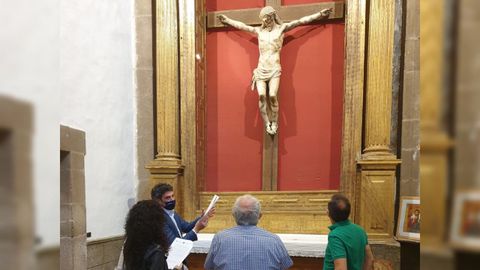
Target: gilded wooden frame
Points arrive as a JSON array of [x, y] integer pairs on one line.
[[310, 207], [187, 176]]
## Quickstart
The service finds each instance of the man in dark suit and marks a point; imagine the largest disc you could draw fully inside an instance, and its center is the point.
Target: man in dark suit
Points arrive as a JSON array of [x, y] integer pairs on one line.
[[175, 225]]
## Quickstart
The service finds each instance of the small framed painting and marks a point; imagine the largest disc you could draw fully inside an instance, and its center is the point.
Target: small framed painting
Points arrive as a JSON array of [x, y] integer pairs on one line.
[[465, 229], [409, 219]]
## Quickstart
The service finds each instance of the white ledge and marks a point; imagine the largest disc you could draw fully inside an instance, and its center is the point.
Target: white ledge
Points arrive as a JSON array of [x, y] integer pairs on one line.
[[298, 245]]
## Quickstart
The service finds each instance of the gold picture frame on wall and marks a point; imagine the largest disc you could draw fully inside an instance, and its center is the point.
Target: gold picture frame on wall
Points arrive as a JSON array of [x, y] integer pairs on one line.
[[409, 219], [465, 229]]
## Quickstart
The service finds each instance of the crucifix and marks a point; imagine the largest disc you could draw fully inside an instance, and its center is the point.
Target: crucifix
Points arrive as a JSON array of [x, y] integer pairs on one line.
[[266, 77]]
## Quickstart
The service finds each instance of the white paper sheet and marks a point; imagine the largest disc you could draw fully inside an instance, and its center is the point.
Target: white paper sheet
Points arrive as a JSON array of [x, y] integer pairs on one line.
[[212, 203], [179, 250]]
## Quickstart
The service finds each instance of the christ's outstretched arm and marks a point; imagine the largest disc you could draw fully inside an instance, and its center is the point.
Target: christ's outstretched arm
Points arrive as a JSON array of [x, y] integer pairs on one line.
[[307, 19], [236, 24]]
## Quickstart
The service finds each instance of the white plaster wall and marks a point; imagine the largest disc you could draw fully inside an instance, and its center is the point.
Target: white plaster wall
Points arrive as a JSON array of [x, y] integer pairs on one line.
[[29, 54], [72, 61], [97, 96]]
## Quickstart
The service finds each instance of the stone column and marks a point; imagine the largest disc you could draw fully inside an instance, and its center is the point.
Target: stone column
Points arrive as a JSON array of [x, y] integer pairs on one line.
[[73, 228], [376, 194], [167, 166]]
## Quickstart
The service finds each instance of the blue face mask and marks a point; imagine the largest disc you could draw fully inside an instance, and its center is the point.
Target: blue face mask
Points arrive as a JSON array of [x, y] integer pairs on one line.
[[170, 205]]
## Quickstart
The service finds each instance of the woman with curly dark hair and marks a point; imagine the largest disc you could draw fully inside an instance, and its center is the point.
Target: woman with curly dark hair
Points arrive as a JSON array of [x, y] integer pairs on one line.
[[146, 244]]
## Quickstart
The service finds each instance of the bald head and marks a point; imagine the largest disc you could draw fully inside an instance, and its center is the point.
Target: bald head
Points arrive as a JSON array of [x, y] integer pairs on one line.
[[339, 208], [246, 210]]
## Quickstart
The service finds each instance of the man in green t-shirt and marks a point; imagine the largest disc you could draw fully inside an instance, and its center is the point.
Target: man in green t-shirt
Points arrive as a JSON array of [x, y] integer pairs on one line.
[[347, 246]]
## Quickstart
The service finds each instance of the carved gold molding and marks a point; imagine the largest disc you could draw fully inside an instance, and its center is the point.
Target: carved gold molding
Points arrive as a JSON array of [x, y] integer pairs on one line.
[[180, 42], [376, 197], [355, 21], [189, 59], [283, 212]]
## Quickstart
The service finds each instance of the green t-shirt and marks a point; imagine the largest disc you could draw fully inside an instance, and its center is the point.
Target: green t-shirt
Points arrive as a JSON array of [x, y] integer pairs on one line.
[[345, 240]]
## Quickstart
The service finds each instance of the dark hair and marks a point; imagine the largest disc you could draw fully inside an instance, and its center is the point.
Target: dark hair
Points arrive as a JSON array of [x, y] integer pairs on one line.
[[339, 208], [143, 228], [159, 189]]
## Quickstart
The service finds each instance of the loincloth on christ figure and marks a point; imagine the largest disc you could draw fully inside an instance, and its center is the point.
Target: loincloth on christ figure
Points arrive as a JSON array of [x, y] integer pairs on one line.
[[263, 74]]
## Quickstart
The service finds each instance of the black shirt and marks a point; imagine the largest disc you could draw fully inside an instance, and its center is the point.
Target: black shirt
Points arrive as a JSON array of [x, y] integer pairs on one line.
[[154, 259]]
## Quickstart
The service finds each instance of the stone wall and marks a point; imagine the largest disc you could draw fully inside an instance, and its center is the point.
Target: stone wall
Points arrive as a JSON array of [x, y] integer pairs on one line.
[[410, 152], [410, 135], [73, 232], [104, 253]]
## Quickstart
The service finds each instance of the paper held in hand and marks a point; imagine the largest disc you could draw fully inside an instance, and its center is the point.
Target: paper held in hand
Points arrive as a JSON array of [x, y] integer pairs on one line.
[[212, 203], [179, 250]]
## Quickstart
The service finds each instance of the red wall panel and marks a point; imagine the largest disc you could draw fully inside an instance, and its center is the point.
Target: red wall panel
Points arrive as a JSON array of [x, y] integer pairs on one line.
[[311, 108], [234, 127]]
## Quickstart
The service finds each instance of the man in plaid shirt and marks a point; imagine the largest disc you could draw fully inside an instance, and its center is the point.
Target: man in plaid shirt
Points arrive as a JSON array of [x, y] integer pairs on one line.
[[246, 246]]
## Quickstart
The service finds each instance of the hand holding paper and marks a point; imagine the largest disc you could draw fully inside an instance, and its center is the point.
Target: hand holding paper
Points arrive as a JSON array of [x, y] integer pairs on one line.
[[211, 207], [179, 250], [210, 212]]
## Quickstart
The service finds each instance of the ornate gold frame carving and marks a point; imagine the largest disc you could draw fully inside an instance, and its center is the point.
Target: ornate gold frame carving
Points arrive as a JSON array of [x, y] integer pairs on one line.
[[283, 211], [306, 209]]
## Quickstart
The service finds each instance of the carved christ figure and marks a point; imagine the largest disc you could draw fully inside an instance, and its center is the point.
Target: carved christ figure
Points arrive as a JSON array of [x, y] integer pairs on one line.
[[270, 41]]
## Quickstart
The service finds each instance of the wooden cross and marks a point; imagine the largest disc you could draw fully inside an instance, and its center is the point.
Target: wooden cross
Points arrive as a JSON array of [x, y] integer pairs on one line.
[[289, 13]]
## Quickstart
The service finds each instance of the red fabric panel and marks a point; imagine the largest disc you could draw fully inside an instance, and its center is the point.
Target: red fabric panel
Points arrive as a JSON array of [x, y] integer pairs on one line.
[[310, 117], [311, 106], [234, 126]]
